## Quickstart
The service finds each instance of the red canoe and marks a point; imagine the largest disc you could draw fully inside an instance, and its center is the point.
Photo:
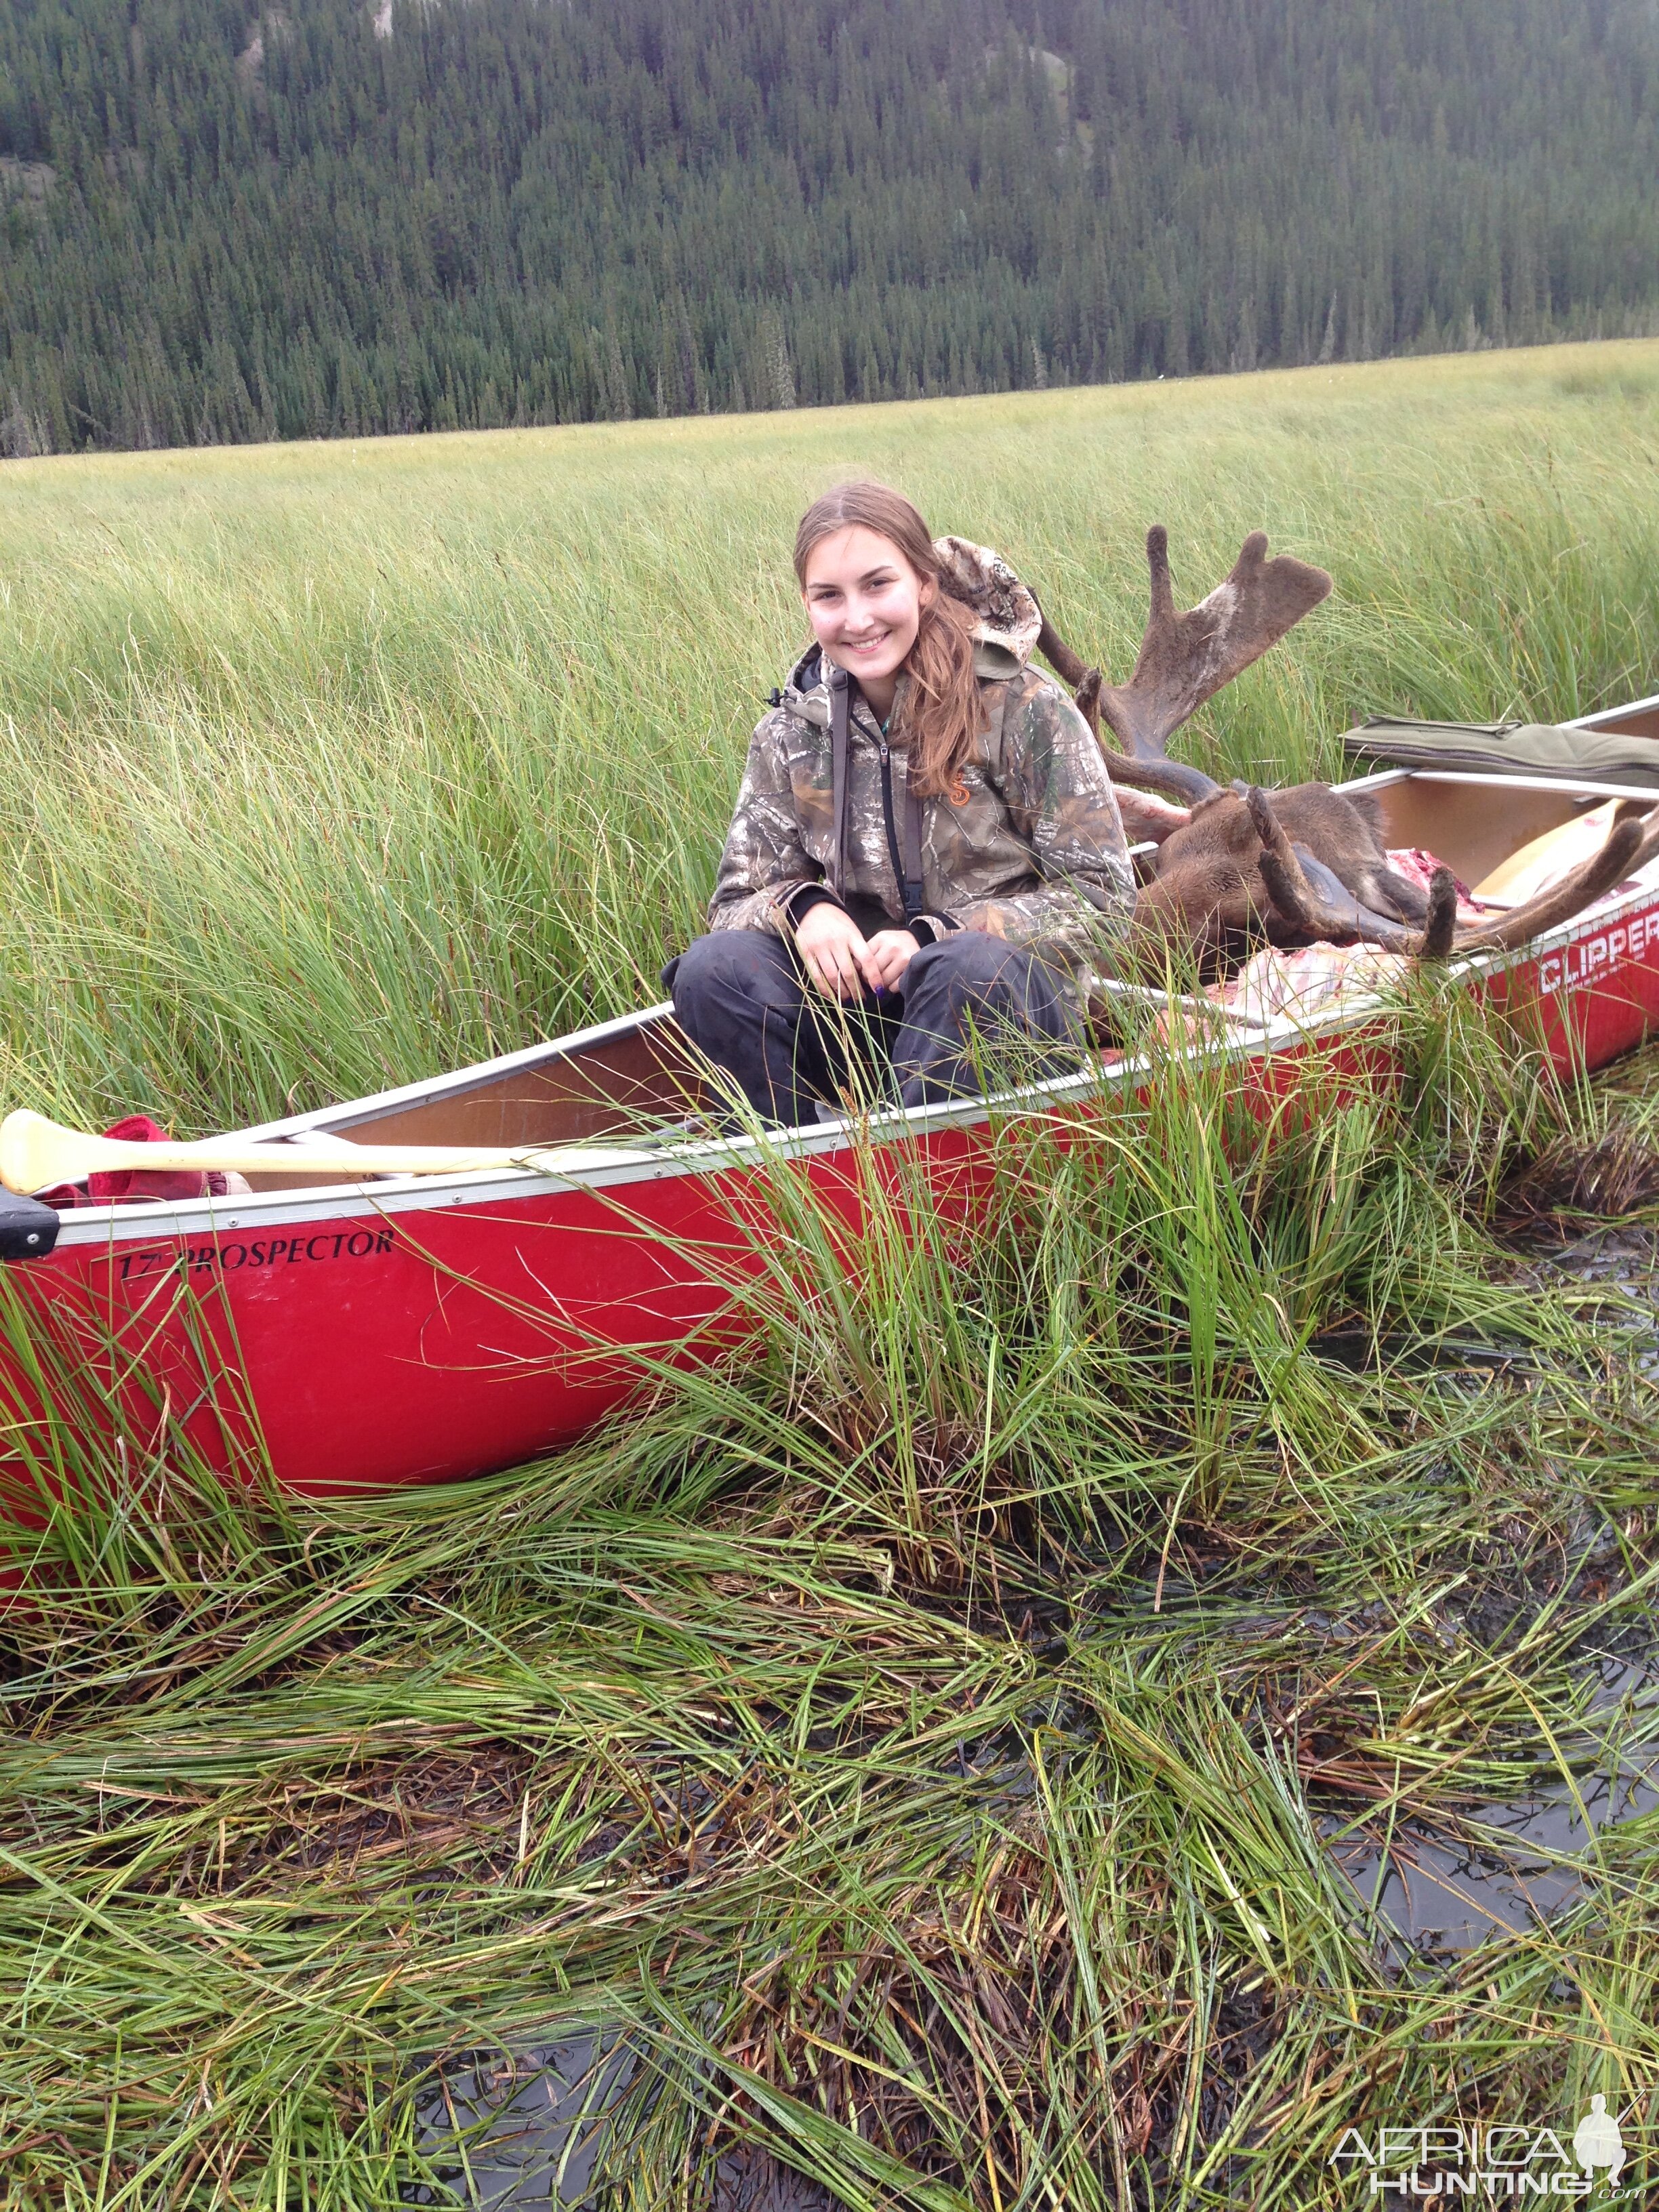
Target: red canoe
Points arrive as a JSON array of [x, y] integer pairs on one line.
[[417, 1329]]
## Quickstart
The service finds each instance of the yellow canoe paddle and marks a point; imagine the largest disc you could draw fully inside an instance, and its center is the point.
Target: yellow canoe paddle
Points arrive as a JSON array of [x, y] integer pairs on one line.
[[36, 1154]]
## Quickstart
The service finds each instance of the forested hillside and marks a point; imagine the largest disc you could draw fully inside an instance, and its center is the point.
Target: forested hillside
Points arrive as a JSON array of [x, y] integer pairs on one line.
[[351, 216]]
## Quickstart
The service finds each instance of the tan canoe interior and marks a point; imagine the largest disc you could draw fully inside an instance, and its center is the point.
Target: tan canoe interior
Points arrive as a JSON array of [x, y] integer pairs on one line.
[[624, 1084], [1472, 827], [1641, 720], [613, 1088]]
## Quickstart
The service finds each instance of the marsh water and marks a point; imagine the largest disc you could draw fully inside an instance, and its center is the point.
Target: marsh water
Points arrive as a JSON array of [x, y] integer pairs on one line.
[[512, 2131], [1505, 1868], [526, 2120], [1511, 1866], [518, 2125], [526, 2123]]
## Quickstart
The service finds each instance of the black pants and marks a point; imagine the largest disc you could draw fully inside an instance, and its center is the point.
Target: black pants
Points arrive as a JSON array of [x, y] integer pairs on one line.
[[742, 998]]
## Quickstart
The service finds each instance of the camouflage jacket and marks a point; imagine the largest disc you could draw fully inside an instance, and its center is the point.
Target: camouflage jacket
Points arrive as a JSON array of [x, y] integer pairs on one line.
[[1035, 853]]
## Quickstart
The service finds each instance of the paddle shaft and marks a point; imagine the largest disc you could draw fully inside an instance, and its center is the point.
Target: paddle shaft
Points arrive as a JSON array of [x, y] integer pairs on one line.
[[36, 1154]]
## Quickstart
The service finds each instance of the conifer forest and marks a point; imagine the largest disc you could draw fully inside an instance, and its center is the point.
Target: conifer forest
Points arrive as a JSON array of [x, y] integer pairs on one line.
[[339, 217]]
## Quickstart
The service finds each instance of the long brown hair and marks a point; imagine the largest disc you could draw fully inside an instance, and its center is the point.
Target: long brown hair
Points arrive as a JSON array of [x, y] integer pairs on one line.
[[942, 711]]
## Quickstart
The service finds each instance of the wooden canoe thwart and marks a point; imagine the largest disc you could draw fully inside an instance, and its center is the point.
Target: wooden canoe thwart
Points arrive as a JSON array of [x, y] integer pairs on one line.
[[358, 1335]]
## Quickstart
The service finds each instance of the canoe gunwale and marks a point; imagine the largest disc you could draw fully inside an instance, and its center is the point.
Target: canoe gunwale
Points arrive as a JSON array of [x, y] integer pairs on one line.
[[1558, 786], [1610, 717], [698, 1157]]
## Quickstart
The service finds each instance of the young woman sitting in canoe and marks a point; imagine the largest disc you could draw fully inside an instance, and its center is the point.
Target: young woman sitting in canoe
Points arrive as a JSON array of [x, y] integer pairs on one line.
[[926, 849]]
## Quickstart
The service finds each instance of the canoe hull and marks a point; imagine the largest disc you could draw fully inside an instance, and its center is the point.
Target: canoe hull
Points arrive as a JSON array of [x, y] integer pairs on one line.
[[385, 1346], [361, 1337]]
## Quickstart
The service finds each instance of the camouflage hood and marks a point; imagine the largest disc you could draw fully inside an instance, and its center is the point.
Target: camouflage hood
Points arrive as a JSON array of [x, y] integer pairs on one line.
[[1007, 620]]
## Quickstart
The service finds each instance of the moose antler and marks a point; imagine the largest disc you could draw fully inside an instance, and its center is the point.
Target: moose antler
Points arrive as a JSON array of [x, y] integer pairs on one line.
[[1308, 895], [1186, 659], [1629, 847]]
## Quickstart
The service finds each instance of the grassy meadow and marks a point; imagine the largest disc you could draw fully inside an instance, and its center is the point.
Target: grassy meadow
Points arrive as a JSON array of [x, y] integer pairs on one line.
[[330, 765], [973, 1754]]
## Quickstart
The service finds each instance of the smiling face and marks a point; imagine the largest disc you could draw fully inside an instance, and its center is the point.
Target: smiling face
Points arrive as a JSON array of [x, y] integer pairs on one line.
[[865, 602]]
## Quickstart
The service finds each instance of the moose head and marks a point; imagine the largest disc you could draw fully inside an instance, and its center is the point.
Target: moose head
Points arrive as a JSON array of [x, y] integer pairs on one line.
[[1296, 866]]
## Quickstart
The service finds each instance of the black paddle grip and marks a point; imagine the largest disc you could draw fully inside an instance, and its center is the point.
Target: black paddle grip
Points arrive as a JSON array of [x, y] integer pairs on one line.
[[27, 1230]]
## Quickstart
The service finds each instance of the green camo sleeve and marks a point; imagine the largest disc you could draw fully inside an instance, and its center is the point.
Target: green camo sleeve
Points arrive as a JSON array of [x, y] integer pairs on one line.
[[1059, 797], [765, 862]]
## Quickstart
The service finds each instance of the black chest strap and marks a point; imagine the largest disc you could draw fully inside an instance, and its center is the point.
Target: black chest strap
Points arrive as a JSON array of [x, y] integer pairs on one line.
[[840, 708], [912, 887]]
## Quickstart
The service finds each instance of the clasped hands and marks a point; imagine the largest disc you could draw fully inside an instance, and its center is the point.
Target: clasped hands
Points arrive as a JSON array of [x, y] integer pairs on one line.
[[843, 962]]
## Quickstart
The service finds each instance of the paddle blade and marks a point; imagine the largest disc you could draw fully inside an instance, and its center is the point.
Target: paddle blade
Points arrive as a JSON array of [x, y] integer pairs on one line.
[[33, 1156], [35, 1153]]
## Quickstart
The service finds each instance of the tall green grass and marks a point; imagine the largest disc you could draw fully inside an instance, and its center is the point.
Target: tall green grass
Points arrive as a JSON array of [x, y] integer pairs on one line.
[[919, 1743], [325, 766], [917, 1752]]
